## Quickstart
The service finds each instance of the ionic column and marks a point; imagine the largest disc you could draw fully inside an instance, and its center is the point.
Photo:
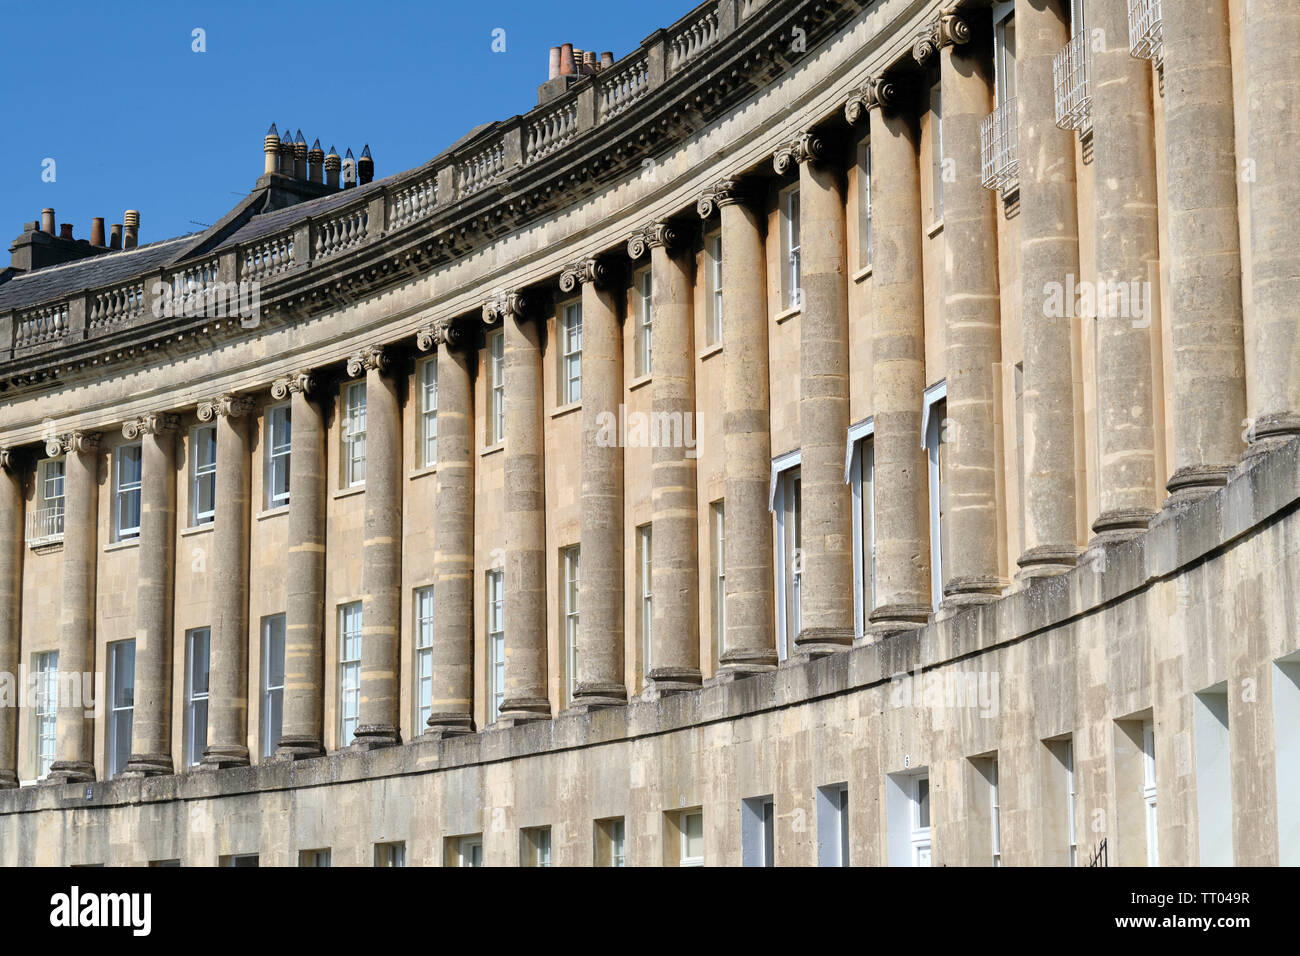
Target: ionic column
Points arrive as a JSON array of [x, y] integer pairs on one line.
[[1049, 254], [381, 555], [674, 577], [900, 479], [525, 512], [302, 725], [151, 741], [1205, 313], [972, 314], [74, 729], [1272, 65], [826, 595], [228, 659], [11, 585], [600, 625], [749, 645], [1127, 249], [453, 536]]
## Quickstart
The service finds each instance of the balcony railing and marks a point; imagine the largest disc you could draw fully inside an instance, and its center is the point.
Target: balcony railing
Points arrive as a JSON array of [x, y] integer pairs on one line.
[[550, 131], [623, 87], [692, 40], [1072, 78], [48, 323], [342, 232], [413, 202], [1145, 30], [999, 152], [44, 526]]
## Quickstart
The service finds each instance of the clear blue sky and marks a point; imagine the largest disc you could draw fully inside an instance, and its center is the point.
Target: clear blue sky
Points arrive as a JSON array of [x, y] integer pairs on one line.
[[134, 119]]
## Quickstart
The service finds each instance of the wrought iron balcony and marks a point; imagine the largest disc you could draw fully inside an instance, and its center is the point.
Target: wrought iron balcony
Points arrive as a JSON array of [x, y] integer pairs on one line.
[[1072, 79], [44, 526], [1145, 30], [999, 147]]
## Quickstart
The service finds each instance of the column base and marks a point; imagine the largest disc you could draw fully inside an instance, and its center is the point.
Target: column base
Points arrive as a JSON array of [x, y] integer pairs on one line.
[[818, 642], [71, 771], [516, 711], [220, 758], [889, 620], [1271, 432], [442, 726], [968, 593], [667, 681], [598, 695], [1194, 482], [744, 662], [8, 780], [1122, 524], [1047, 560], [149, 765], [298, 748], [375, 737]]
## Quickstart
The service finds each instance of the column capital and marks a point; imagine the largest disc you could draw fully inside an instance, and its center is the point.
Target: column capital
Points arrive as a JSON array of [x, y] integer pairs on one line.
[[371, 358], [225, 406], [950, 28], [808, 147], [588, 270], [154, 423], [657, 234], [299, 383], [441, 332], [71, 443], [724, 192], [511, 303], [9, 460], [878, 92]]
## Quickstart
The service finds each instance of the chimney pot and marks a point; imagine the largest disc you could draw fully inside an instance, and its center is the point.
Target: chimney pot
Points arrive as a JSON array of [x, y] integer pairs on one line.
[[131, 219], [365, 166], [553, 69], [315, 159], [271, 147], [332, 166], [349, 170], [567, 65], [47, 221], [606, 60], [115, 239], [65, 231], [97, 232]]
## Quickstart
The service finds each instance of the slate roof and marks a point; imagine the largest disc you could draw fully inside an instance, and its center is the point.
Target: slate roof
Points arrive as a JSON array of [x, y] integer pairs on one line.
[[55, 282]]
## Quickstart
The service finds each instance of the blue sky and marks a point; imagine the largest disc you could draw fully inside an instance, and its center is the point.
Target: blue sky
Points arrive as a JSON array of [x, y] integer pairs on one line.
[[134, 119]]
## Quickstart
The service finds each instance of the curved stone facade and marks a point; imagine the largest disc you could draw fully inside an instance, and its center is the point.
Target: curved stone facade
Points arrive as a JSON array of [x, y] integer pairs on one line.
[[783, 413]]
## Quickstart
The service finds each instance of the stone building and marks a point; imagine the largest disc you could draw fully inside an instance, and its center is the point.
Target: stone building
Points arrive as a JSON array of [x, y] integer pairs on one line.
[[837, 431]]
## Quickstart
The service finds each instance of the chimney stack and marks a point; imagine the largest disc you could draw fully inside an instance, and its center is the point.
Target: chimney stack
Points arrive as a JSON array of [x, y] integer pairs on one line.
[[97, 232], [131, 219], [65, 231], [332, 164], [47, 221], [315, 157], [271, 146], [567, 65], [286, 153], [553, 69], [365, 166], [349, 170], [299, 157], [115, 239]]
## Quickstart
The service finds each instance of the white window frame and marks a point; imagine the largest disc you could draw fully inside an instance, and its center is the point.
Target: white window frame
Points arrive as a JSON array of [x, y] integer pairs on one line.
[[864, 204], [643, 310], [496, 361], [126, 490], [932, 439], [570, 352], [495, 590], [718, 572], [428, 376], [860, 475], [757, 831], [613, 832], [683, 825], [1149, 791], [571, 565], [467, 847], [645, 596], [995, 811], [536, 846], [713, 281], [353, 444], [45, 717], [788, 570], [390, 854], [349, 669], [121, 718], [921, 827], [198, 646], [203, 474], [422, 693], [316, 859], [1004, 19], [936, 153], [1071, 798], [274, 628], [279, 447], [791, 248], [833, 825]]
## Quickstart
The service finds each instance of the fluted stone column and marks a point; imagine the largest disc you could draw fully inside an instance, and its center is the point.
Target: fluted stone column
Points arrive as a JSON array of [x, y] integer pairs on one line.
[[74, 729], [524, 609], [1049, 260], [600, 625], [972, 315], [749, 645], [1205, 313], [453, 536], [228, 565], [381, 555], [1127, 248], [1272, 66], [900, 479], [11, 586], [151, 738], [303, 725], [826, 592], [674, 544]]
